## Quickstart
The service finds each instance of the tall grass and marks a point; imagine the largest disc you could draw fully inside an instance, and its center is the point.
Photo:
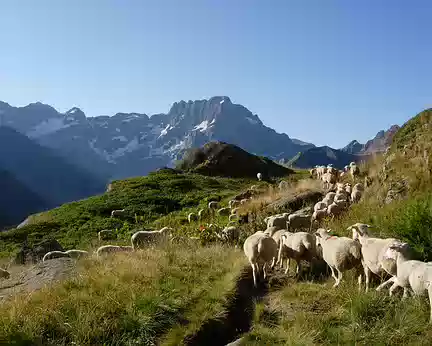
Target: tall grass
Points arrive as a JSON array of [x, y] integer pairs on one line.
[[140, 298]]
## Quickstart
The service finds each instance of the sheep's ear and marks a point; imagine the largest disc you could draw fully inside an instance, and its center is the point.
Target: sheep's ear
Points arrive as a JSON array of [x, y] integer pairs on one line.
[[329, 230], [350, 228]]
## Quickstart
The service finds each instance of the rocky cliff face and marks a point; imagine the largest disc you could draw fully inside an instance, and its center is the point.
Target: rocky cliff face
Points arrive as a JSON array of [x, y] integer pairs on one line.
[[129, 144]]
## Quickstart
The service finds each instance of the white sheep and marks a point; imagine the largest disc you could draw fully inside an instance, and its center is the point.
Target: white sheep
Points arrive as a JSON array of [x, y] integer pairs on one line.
[[192, 217], [412, 274], [356, 193], [348, 189], [278, 221], [373, 252], [298, 221], [354, 170], [230, 234], [234, 203], [108, 249], [106, 234], [335, 209], [317, 216], [298, 246], [149, 237], [76, 253], [260, 249], [118, 213], [259, 176], [54, 254], [4, 274], [213, 205], [320, 205], [271, 231], [329, 179], [340, 254]]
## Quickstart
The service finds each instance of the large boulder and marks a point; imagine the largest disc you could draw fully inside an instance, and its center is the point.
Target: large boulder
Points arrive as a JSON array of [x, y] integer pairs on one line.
[[34, 254]]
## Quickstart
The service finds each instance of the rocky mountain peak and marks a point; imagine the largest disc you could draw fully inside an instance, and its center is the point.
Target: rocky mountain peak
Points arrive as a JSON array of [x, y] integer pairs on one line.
[[75, 114]]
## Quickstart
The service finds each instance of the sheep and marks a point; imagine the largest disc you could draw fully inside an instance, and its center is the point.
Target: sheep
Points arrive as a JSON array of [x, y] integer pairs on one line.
[[192, 217], [348, 189], [148, 237], [317, 216], [373, 252], [340, 254], [107, 249], [233, 217], [118, 213], [283, 185], [298, 221], [259, 176], [277, 236], [313, 172], [4, 274], [260, 249], [329, 179], [298, 246], [76, 253], [233, 203], [278, 221], [230, 234], [213, 205], [107, 234], [224, 211], [54, 254], [412, 274], [271, 231], [320, 206], [356, 194], [335, 209], [354, 170]]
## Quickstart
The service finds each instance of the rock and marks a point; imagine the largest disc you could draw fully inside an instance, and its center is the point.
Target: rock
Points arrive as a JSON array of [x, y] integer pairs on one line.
[[296, 202], [35, 254]]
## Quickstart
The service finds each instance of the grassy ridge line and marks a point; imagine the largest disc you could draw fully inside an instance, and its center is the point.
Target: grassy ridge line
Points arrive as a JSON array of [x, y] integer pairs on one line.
[[158, 295]]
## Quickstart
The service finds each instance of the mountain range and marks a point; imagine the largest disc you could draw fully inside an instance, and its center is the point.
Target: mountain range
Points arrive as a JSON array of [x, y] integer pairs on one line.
[[132, 144]]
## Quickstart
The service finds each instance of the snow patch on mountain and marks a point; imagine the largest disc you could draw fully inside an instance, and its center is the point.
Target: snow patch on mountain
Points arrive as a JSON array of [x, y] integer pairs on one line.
[[131, 146], [47, 127], [202, 126], [165, 131]]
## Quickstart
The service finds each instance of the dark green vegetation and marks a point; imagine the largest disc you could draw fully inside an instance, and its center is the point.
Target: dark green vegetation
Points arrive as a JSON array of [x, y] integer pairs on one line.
[[227, 160]]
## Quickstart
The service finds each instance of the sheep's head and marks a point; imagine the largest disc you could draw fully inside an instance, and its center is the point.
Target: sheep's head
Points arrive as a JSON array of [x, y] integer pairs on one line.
[[359, 230], [394, 249]]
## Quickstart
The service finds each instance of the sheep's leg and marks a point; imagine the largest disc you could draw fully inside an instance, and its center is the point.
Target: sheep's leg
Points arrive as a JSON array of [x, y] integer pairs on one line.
[[333, 275], [394, 286], [299, 268], [254, 273], [405, 293], [264, 270], [389, 281], [367, 274], [273, 262], [288, 265], [430, 301], [339, 278]]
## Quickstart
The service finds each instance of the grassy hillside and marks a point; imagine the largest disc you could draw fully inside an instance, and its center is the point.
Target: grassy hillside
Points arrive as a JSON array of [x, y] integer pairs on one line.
[[145, 200]]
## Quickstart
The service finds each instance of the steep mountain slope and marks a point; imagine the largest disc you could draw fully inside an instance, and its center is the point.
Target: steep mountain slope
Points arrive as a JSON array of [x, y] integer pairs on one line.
[[322, 156], [129, 144], [353, 147], [16, 200], [42, 171]]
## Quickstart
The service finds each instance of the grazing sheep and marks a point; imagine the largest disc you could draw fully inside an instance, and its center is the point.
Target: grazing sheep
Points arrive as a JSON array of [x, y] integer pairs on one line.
[[271, 231], [412, 274], [233, 203], [108, 249], [335, 209], [259, 176], [373, 252], [317, 216], [260, 249], [213, 205], [354, 170], [107, 234], [149, 237], [283, 185], [224, 211], [233, 217], [76, 253], [230, 234], [298, 221], [278, 221], [118, 213], [192, 217], [4, 274], [340, 254], [298, 246], [356, 193], [329, 179], [320, 206], [54, 254]]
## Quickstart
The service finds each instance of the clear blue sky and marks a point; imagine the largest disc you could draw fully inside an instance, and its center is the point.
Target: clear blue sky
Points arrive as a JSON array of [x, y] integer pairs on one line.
[[321, 71]]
